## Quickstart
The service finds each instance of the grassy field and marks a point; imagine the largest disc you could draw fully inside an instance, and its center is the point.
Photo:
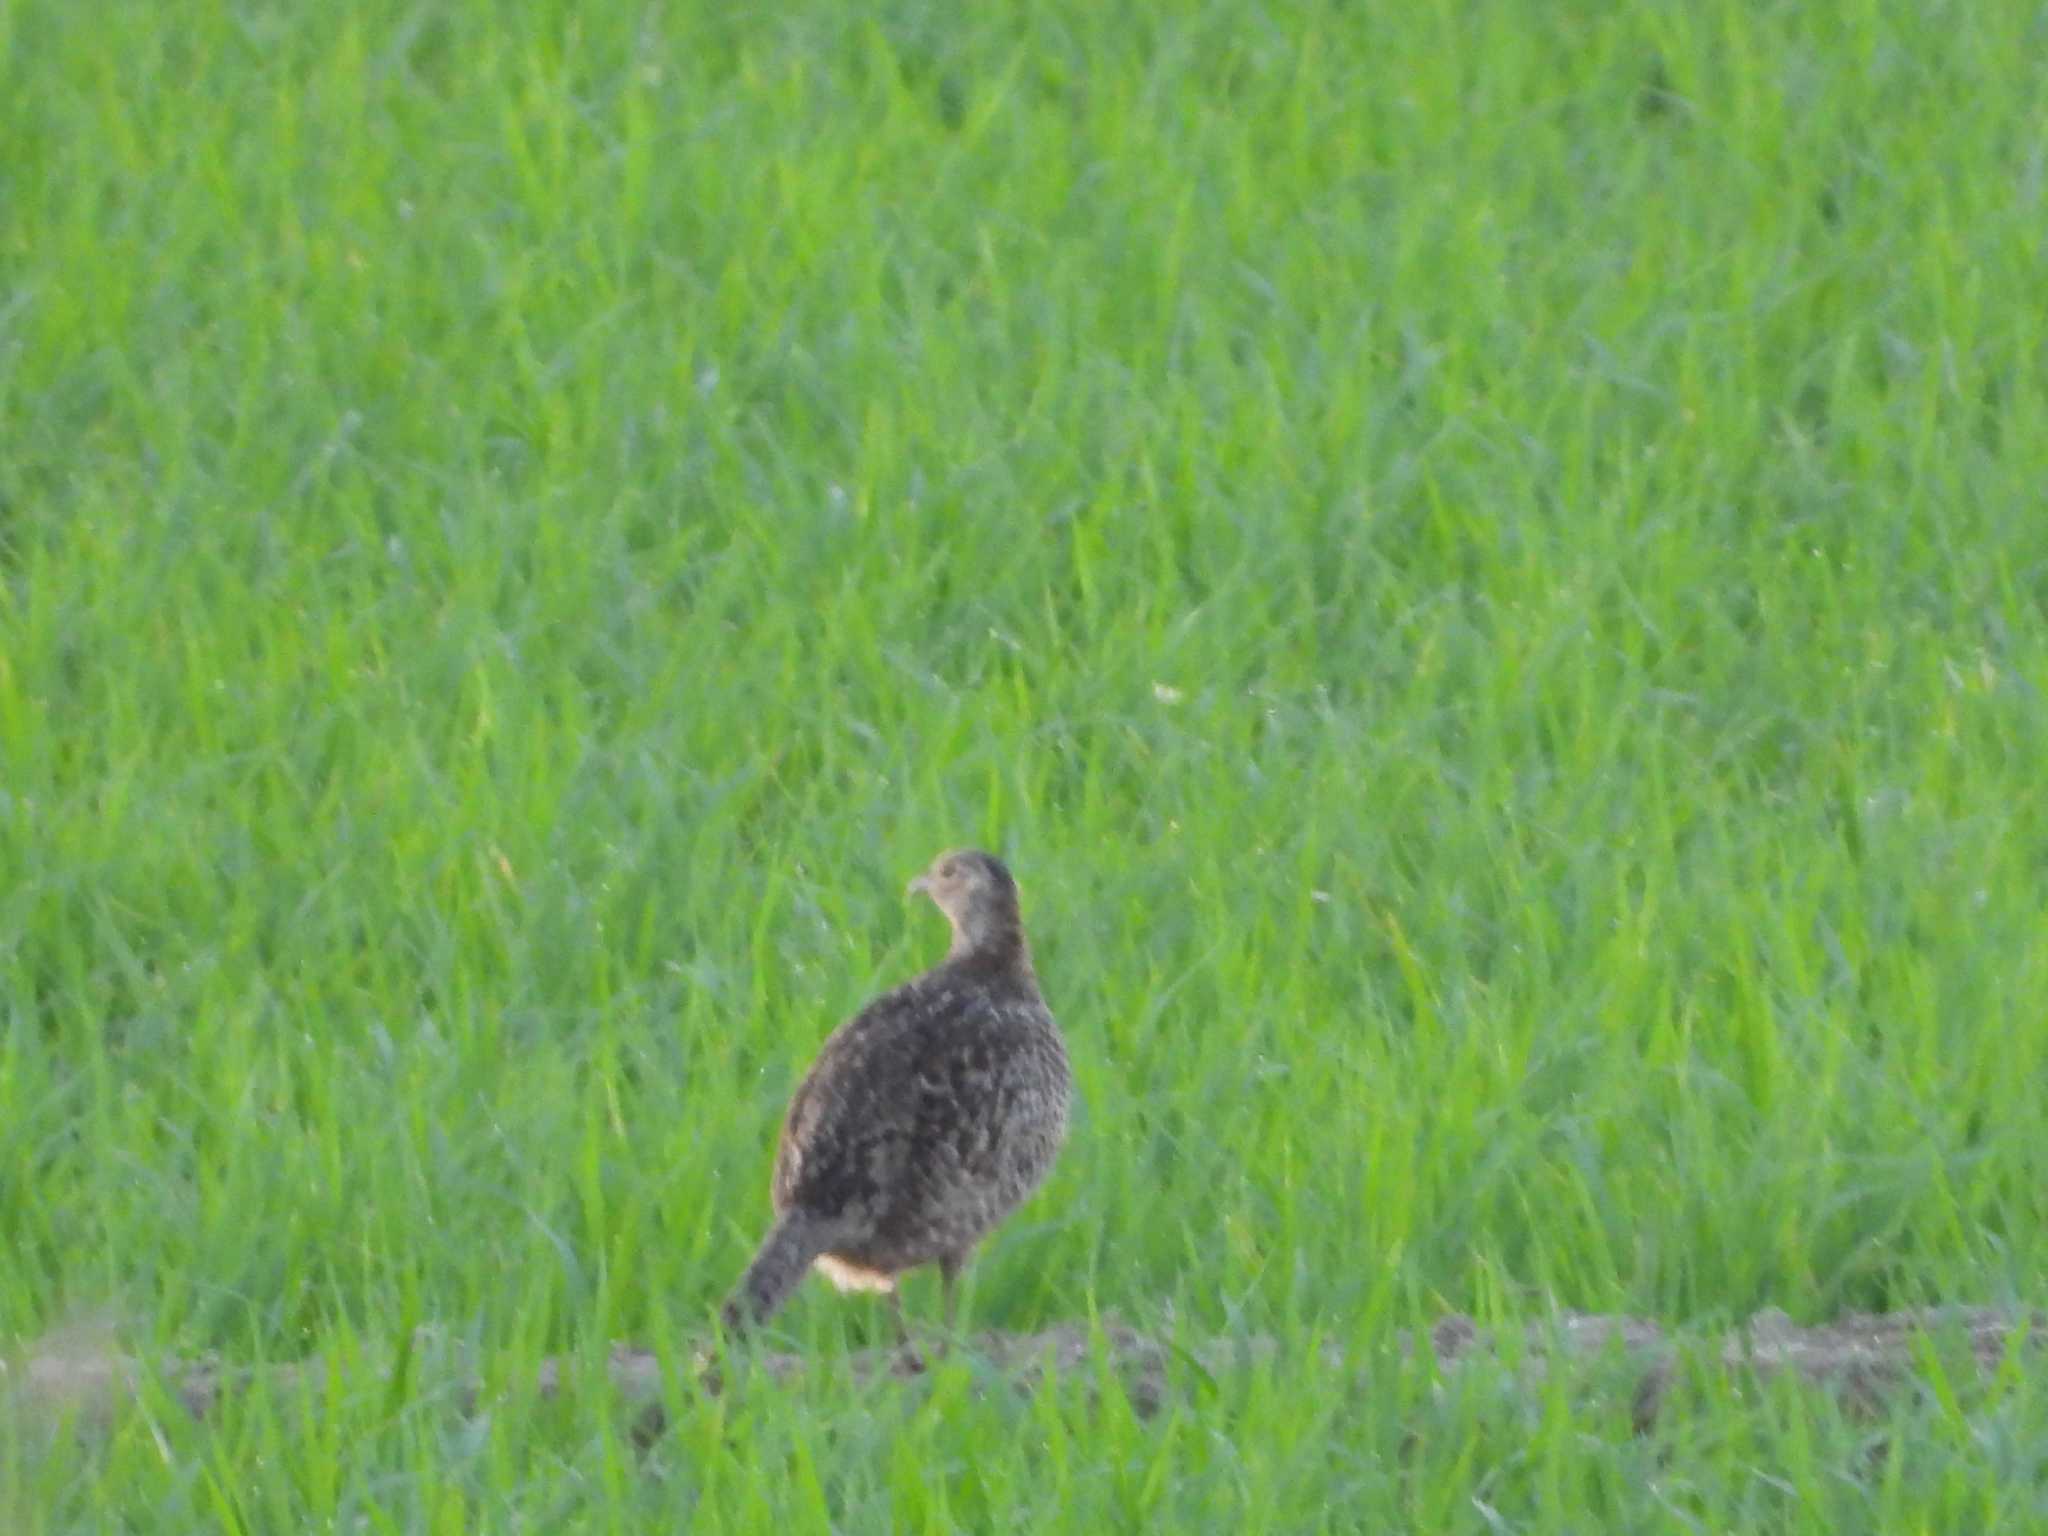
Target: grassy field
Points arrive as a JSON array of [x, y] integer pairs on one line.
[[1485, 563]]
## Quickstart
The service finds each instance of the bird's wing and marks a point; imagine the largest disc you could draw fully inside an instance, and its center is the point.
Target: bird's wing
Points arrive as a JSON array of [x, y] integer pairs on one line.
[[890, 1080]]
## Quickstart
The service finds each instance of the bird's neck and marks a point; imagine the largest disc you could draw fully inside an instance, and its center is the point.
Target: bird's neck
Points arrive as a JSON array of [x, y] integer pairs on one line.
[[992, 946]]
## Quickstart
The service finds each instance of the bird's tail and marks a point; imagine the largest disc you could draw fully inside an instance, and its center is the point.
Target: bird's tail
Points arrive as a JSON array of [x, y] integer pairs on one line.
[[785, 1256]]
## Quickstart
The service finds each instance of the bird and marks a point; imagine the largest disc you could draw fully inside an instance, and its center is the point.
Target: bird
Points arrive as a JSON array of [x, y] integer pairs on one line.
[[925, 1120]]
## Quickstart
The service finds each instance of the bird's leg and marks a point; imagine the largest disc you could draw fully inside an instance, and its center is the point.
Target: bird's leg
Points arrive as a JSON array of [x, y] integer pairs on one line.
[[949, 1284], [912, 1358]]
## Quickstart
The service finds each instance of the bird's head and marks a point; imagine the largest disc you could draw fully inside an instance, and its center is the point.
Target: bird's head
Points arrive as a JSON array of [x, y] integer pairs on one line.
[[979, 898]]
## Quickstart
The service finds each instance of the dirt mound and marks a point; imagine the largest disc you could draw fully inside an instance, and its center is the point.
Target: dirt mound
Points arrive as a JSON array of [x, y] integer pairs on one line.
[[1861, 1357]]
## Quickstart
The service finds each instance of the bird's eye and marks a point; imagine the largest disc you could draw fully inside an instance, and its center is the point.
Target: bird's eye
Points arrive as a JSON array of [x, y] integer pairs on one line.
[[949, 869]]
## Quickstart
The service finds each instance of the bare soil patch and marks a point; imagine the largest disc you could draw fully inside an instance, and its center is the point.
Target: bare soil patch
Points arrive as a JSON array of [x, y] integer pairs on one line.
[[1863, 1358]]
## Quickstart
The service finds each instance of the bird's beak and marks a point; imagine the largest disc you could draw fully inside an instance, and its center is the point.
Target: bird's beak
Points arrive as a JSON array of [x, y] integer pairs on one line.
[[922, 885]]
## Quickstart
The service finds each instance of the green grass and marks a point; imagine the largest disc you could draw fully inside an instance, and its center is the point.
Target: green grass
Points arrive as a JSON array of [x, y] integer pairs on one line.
[[1485, 563]]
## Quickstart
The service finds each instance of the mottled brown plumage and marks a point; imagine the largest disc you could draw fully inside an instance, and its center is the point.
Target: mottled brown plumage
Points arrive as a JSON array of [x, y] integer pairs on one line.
[[927, 1118]]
